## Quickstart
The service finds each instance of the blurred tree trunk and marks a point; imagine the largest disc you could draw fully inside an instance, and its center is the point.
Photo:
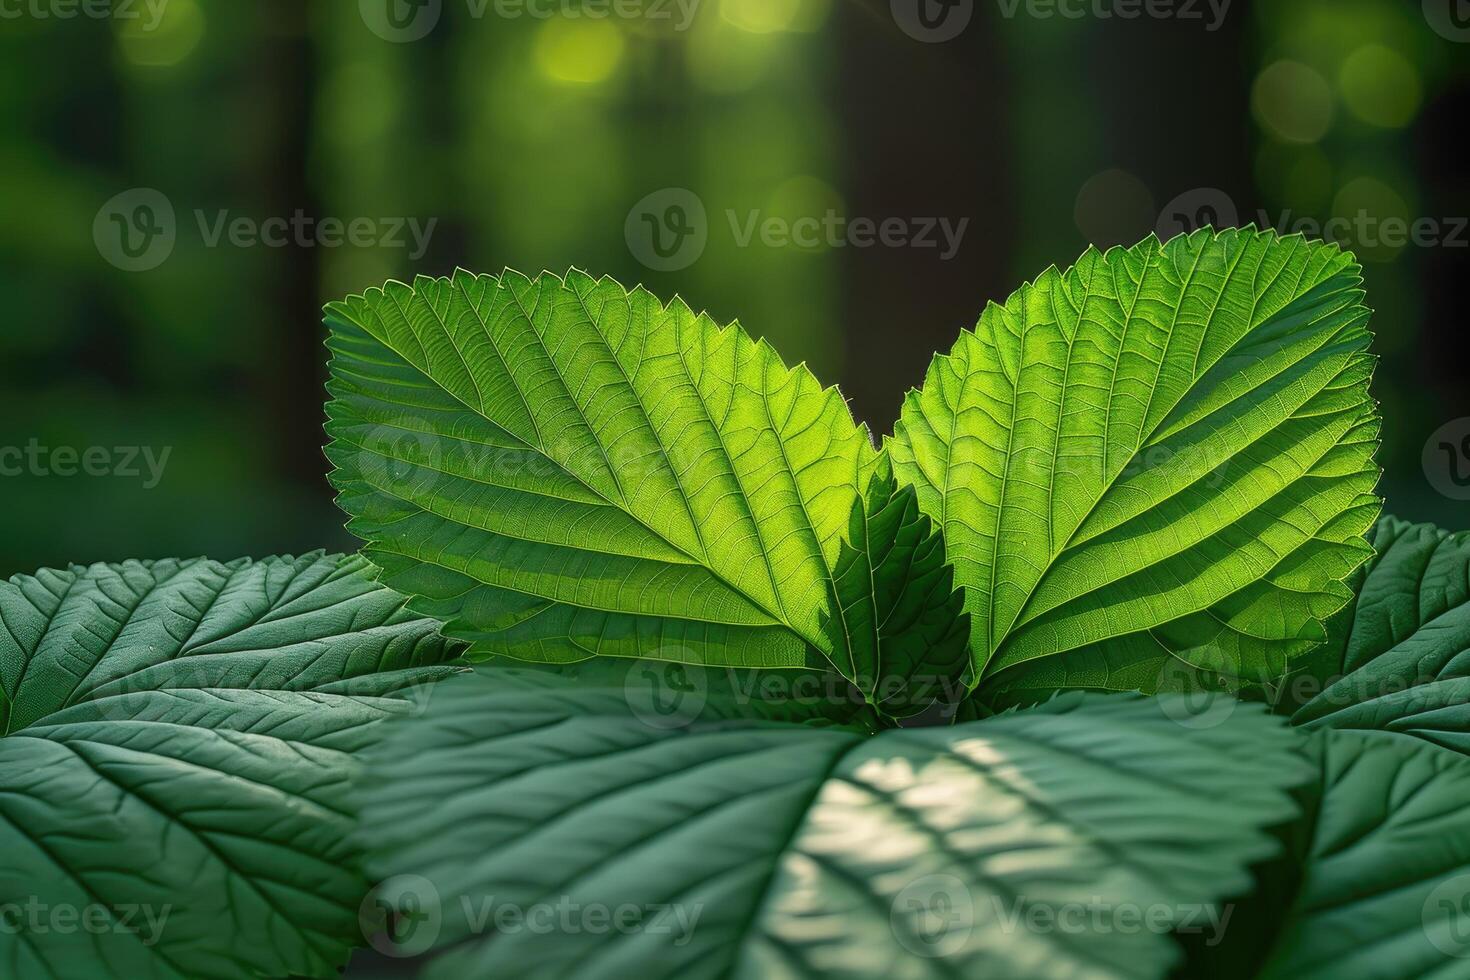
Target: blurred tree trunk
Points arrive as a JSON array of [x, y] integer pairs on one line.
[[294, 394], [923, 139], [1175, 97], [1003, 125], [1445, 347]]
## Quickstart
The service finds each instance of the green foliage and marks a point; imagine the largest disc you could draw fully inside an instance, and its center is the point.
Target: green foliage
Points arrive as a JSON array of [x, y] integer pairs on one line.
[[562, 469], [1401, 654], [793, 851], [178, 741], [801, 698], [1154, 469], [1373, 886]]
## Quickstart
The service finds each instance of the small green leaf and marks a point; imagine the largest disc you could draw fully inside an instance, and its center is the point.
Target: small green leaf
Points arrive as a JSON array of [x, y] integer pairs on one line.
[[1156, 464], [178, 741], [1402, 652], [736, 846], [899, 604]]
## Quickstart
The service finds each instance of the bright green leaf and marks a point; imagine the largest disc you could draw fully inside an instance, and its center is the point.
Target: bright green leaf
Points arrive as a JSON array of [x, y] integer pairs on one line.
[[767, 849], [561, 469], [178, 741], [1156, 464]]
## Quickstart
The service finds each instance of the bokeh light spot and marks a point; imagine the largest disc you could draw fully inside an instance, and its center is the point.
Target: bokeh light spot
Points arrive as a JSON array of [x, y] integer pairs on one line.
[[1380, 86], [162, 36], [1293, 101], [762, 16], [583, 52]]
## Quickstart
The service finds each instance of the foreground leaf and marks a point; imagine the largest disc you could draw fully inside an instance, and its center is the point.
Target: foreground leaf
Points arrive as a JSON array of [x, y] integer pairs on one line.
[[1156, 464], [1402, 653], [561, 469], [748, 848], [178, 738], [1384, 887]]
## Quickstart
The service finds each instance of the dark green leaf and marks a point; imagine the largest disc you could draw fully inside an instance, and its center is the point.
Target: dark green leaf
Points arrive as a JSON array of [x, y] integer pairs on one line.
[[1403, 651], [178, 740], [1384, 885], [777, 850]]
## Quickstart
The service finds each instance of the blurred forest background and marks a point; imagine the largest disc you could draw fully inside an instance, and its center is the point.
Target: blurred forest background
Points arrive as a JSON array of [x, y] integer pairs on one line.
[[527, 140]]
